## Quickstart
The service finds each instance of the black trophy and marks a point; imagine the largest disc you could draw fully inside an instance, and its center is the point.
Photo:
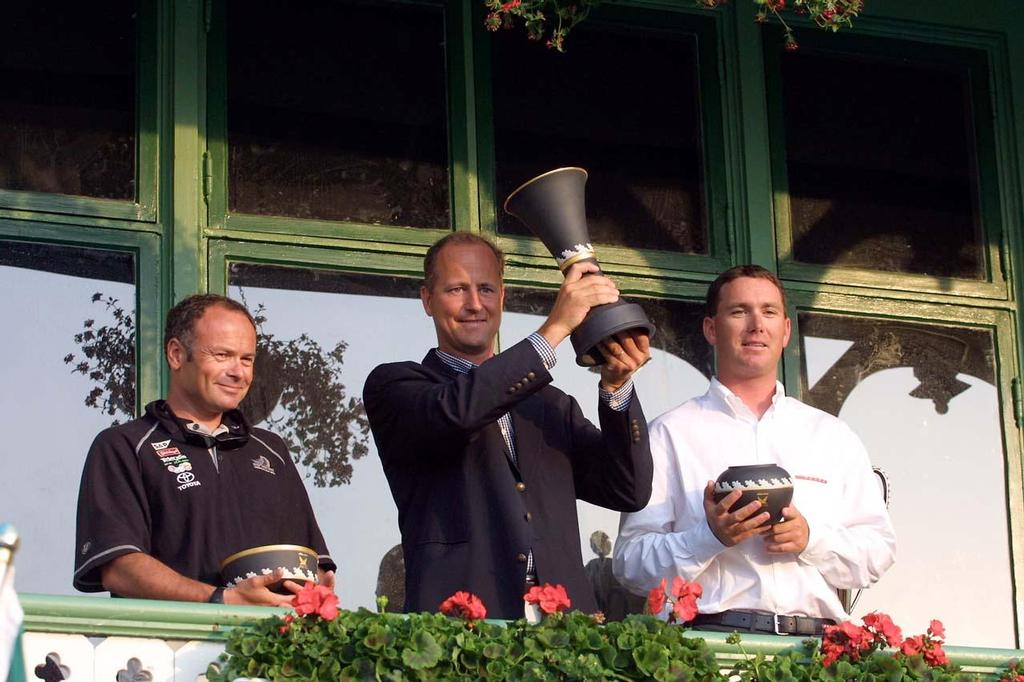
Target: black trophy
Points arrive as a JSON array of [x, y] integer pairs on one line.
[[552, 206]]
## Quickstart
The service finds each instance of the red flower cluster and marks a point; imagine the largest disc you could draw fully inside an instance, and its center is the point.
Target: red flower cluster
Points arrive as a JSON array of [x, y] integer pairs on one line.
[[684, 598], [928, 645], [317, 600], [853, 641], [550, 598], [464, 605]]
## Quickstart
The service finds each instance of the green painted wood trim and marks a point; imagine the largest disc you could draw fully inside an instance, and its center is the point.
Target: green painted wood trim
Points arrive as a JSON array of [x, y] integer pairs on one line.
[[148, 100], [753, 211], [188, 211], [301, 227], [182, 620], [614, 258], [371, 261], [462, 115], [144, 247], [1008, 368], [73, 205], [79, 221], [216, 182], [137, 617]]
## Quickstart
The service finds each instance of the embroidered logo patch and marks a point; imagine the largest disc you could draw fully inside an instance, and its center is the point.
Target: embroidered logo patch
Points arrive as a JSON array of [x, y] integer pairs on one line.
[[160, 444], [164, 452], [263, 464]]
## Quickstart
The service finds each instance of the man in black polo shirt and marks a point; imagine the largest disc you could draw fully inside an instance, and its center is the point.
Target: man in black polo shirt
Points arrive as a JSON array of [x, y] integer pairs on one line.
[[166, 497]]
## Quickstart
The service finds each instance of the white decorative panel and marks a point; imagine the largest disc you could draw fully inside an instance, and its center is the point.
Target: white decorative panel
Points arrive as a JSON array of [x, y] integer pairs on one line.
[[192, 658], [56, 657], [127, 659]]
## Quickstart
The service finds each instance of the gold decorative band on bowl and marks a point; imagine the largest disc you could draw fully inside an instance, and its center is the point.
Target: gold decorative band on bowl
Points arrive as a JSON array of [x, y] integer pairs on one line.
[[533, 180], [267, 548]]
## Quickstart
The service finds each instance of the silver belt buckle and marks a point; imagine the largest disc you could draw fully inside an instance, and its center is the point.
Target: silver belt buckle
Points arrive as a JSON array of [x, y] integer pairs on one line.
[[775, 622]]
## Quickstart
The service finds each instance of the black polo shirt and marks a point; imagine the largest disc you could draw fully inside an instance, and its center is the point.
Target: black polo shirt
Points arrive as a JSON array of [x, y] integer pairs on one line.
[[160, 486]]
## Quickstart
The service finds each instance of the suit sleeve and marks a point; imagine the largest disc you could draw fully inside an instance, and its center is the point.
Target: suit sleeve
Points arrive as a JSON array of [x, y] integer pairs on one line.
[[113, 510], [406, 403], [612, 466]]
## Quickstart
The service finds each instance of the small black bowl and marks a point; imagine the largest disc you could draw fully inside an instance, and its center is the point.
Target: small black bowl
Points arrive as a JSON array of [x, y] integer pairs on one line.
[[299, 565], [769, 483]]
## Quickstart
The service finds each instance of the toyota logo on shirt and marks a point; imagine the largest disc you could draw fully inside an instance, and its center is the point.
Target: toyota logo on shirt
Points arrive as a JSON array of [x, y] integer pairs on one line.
[[186, 477]]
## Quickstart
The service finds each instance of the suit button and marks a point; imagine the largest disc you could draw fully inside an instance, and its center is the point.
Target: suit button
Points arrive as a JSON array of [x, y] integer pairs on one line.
[[521, 558], [519, 384], [520, 486], [531, 376], [529, 516], [511, 389]]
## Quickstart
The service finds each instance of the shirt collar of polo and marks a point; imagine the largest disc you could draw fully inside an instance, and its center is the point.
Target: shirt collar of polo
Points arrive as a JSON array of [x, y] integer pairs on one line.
[[727, 401], [233, 431]]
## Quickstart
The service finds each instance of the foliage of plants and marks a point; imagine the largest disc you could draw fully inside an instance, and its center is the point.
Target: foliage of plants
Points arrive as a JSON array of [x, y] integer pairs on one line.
[[322, 642], [551, 20]]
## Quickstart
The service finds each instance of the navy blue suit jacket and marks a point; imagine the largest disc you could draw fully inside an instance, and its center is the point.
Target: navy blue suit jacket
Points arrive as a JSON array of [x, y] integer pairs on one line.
[[467, 514]]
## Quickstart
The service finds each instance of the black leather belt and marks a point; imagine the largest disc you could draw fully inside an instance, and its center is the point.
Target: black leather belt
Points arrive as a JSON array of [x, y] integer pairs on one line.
[[764, 622]]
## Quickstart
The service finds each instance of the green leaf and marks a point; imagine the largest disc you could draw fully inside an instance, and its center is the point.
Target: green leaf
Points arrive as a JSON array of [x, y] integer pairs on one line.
[[650, 658], [377, 638], [423, 651]]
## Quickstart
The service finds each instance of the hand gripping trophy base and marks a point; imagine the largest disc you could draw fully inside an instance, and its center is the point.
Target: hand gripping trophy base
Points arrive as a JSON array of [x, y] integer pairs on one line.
[[602, 322]]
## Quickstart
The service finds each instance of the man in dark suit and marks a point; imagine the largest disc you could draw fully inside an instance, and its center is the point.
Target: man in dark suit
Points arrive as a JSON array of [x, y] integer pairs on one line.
[[484, 457]]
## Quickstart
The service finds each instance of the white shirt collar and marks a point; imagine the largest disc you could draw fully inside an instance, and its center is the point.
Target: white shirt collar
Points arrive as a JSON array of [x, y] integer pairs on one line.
[[732, 403]]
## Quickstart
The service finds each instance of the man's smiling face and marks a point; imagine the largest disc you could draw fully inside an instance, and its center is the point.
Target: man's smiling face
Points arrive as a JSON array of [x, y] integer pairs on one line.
[[750, 329], [465, 300]]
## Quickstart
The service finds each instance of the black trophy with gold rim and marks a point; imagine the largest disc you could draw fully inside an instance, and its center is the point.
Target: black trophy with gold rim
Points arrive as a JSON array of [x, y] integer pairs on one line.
[[552, 205]]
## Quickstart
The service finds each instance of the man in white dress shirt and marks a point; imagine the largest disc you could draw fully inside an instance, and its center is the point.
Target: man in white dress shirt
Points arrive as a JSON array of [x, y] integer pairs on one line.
[[836, 533]]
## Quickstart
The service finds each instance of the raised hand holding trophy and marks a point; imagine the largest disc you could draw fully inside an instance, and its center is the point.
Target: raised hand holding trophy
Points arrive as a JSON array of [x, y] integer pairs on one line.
[[552, 205]]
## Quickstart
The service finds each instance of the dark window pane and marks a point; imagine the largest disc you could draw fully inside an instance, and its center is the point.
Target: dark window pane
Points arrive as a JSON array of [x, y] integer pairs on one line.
[[67, 98], [881, 164], [336, 111], [625, 105], [924, 400], [67, 358]]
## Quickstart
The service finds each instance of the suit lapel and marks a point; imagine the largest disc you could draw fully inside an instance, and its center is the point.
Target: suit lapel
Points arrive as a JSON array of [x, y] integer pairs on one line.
[[493, 441]]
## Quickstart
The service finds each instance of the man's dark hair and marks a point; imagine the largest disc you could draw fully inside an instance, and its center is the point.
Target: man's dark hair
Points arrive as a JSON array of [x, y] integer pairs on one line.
[[181, 319], [733, 273], [457, 239]]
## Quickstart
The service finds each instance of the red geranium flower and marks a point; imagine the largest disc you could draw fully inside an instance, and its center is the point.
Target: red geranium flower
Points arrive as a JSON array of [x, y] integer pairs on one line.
[[316, 599], [935, 629], [884, 628], [685, 595], [463, 605], [656, 599], [550, 598]]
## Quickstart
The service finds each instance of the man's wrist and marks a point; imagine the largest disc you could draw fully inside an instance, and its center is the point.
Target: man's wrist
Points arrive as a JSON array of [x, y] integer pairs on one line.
[[553, 334], [217, 596]]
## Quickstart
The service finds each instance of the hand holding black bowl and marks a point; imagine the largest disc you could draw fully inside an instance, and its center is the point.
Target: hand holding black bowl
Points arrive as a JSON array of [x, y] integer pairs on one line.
[[769, 484]]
